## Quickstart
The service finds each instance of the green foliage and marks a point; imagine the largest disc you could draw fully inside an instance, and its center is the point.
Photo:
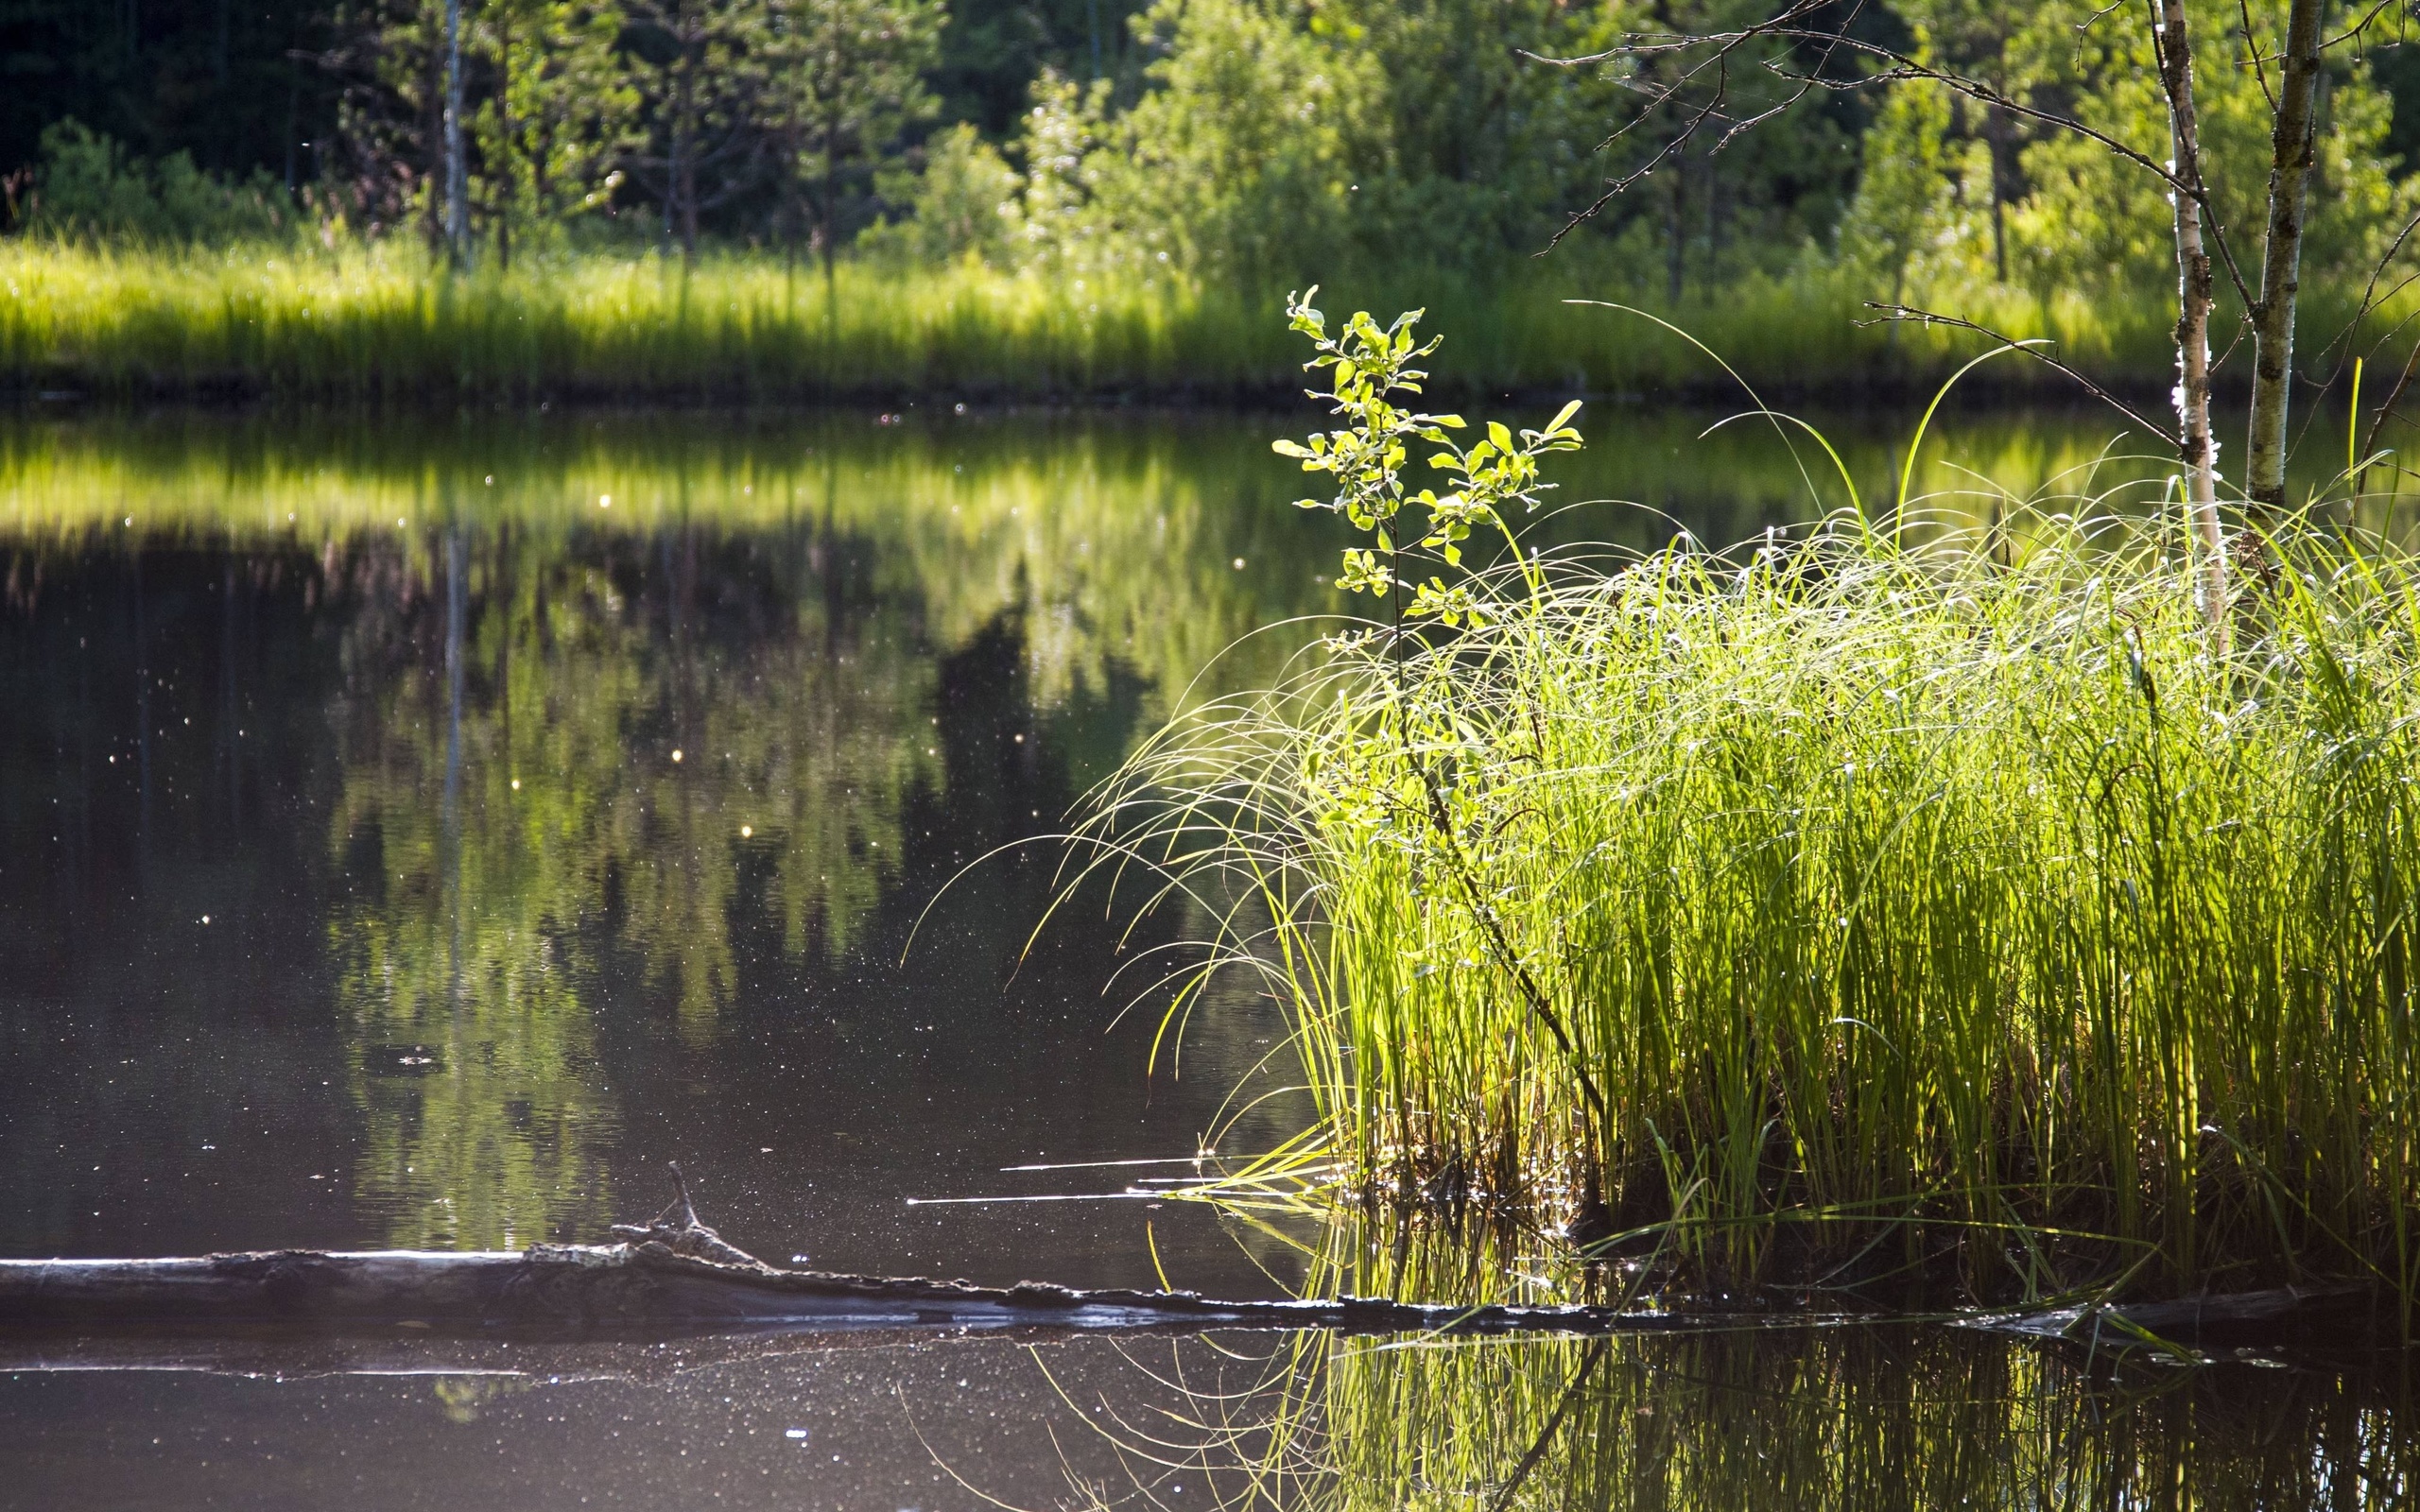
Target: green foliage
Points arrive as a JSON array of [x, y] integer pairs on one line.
[[1906, 195], [1945, 912], [965, 204], [88, 185], [551, 135], [846, 77], [1950, 181], [992, 51], [1367, 454], [1267, 138], [1245, 149], [700, 82]]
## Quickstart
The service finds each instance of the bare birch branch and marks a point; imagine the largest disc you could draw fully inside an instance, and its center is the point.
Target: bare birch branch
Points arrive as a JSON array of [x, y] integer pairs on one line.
[[1909, 313]]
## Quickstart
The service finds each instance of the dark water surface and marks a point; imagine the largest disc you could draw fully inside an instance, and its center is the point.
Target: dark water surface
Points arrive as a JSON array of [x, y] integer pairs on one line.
[[419, 832]]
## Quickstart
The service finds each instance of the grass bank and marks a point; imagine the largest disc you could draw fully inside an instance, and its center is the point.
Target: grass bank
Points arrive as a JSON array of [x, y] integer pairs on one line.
[[1949, 911], [381, 321]]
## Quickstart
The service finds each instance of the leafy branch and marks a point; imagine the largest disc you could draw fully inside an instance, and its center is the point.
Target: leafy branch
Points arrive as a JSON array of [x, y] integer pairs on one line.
[[1370, 365]]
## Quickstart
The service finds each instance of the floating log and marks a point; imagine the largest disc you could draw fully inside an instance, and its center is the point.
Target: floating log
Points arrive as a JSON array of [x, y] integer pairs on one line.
[[651, 1287], [650, 1284]]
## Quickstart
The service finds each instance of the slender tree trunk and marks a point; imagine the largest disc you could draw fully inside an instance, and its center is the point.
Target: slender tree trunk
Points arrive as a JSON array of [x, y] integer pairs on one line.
[[2198, 451], [508, 175], [432, 131], [689, 210], [293, 114], [2293, 146], [1676, 233], [1713, 227], [836, 91], [457, 189], [828, 211], [685, 175], [1995, 143], [824, 231], [680, 174]]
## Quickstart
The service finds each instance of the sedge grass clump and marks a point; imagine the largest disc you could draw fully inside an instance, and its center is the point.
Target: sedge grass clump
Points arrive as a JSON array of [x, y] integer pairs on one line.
[[1836, 908]]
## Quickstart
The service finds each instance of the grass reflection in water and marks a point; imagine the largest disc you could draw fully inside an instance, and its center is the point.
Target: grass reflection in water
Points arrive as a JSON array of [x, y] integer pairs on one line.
[[1861, 1418]]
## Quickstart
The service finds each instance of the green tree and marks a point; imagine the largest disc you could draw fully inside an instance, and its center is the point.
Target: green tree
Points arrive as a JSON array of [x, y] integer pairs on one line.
[[698, 70], [1245, 149], [1908, 193], [1487, 148], [1057, 222], [390, 63], [558, 114], [965, 203], [1998, 45], [847, 77], [2093, 221]]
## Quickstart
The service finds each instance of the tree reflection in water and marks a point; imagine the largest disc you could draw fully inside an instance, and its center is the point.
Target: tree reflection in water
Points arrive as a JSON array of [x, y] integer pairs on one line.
[[325, 650]]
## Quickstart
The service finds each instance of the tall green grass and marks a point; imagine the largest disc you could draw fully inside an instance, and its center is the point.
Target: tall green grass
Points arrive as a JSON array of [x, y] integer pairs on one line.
[[380, 320], [1843, 910]]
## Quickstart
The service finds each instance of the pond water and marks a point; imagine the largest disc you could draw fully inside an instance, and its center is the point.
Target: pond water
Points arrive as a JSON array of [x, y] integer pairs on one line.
[[420, 831]]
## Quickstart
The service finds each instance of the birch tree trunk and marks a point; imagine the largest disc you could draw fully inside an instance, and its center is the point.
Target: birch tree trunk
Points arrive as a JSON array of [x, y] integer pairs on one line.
[[2199, 450], [2293, 144], [457, 189]]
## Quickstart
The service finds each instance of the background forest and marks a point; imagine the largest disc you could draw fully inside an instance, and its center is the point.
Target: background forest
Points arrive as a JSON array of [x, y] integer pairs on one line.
[[1243, 146]]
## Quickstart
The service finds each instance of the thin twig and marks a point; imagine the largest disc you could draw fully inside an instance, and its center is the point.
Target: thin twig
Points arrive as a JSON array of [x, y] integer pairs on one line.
[[2360, 26], [2379, 416], [2251, 51], [2031, 349], [681, 1184]]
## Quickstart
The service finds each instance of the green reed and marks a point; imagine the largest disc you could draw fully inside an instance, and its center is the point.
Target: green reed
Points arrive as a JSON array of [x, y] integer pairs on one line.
[[382, 320], [1848, 909]]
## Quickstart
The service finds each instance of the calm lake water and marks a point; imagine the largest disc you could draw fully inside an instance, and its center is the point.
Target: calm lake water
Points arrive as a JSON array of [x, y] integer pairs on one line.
[[417, 832]]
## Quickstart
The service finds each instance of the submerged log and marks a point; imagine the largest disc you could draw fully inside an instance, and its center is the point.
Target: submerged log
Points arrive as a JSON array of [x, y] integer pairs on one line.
[[650, 1284], [2284, 1314], [651, 1287]]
